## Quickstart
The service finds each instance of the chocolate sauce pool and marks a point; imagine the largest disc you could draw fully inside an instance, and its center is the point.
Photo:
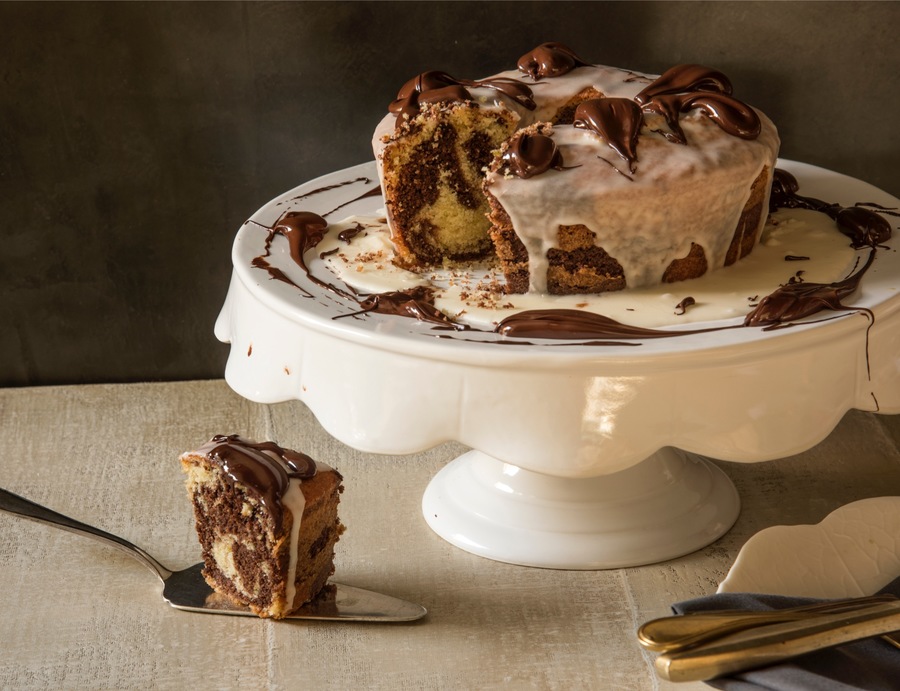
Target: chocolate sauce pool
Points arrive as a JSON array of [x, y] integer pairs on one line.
[[862, 223]]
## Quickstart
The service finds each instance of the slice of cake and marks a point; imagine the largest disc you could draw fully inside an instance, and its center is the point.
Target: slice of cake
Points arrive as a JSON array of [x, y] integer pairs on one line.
[[267, 521]]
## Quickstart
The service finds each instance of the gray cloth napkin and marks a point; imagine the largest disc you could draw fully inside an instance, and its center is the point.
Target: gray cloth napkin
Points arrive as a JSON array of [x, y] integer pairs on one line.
[[872, 664]]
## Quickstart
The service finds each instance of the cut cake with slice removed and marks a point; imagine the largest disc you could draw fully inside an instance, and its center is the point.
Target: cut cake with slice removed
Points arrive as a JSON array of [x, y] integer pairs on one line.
[[267, 521]]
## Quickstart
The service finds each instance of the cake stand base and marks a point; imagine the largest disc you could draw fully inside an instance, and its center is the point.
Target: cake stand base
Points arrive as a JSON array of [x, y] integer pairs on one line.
[[670, 504]]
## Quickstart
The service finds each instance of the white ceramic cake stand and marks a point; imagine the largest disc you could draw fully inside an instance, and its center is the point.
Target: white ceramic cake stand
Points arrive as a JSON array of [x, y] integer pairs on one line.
[[583, 457]]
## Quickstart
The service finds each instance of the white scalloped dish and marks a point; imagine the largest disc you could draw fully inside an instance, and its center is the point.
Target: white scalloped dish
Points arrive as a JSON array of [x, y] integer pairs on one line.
[[852, 552], [583, 455]]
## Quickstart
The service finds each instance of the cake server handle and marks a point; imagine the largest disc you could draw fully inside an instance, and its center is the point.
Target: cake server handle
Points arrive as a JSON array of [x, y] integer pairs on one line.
[[25, 508]]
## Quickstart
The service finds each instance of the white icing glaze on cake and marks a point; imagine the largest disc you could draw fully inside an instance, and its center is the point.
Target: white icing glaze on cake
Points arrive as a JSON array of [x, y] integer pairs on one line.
[[649, 219]]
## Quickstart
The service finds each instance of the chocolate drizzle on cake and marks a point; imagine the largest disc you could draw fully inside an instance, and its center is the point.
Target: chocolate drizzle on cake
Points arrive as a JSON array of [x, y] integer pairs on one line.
[[617, 120], [264, 467], [532, 154], [678, 90], [548, 60], [681, 89], [686, 87], [685, 78]]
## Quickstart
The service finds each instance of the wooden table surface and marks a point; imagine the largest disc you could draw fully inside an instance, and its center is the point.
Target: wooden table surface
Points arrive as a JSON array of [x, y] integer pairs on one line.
[[77, 614]]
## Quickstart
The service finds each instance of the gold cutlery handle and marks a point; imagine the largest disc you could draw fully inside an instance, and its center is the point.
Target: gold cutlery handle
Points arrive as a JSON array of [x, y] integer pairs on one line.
[[775, 643], [680, 632]]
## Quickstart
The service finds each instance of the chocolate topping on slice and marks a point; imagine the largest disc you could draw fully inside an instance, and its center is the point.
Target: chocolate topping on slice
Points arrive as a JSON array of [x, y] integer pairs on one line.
[[264, 467]]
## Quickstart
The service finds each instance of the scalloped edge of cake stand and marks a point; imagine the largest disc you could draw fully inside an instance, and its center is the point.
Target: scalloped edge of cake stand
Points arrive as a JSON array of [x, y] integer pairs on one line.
[[671, 504]]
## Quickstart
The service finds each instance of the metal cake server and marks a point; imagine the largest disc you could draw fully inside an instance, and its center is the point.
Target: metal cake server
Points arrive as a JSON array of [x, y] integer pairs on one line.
[[187, 590]]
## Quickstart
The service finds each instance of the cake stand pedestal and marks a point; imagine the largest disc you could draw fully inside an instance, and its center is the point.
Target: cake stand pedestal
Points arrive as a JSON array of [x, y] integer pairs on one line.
[[670, 504], [583, 456]]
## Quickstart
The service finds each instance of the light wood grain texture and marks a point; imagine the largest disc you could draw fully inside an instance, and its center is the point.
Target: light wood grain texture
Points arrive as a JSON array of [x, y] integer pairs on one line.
[[76, 614]]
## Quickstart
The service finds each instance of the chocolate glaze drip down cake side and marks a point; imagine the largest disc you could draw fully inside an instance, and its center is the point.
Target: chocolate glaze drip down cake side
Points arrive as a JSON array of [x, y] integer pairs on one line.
[[267, 522], [577, 178]]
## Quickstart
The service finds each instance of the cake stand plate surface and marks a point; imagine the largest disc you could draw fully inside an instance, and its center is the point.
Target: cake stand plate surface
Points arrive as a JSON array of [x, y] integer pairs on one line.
[[583, 456]]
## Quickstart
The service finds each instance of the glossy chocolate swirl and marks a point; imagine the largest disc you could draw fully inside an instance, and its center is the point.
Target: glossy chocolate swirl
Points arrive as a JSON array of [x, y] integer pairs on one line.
[[798, 299], [617, 120], [549, 60], [512, 88], [863, 226], [264, 467], [685, 78], [303, 230], [577, 324], [417, 303], [687, 87], [733, 116], [532, 154]]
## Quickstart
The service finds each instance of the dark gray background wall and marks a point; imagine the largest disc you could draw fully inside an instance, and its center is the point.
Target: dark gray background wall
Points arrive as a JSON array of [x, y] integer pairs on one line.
[[135, 138]]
